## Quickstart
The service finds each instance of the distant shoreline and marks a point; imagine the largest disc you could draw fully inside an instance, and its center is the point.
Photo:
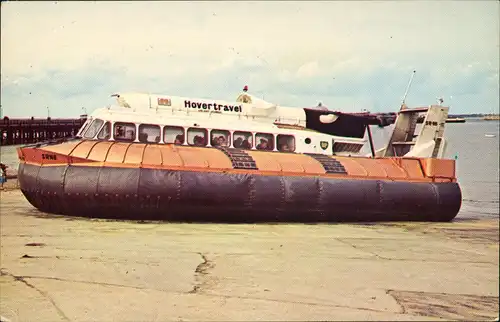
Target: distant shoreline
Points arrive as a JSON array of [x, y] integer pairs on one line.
[[479, 115]]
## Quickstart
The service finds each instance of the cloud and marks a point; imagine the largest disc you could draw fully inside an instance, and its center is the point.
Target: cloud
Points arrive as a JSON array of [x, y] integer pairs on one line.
[[308, 70], [69, 54]]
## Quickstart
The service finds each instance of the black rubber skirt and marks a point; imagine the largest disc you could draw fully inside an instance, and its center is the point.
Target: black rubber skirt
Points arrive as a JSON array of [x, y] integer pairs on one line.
[[153, 194]]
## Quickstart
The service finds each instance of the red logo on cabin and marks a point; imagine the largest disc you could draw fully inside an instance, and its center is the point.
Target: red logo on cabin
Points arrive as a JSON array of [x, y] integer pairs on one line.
[[164, 101]]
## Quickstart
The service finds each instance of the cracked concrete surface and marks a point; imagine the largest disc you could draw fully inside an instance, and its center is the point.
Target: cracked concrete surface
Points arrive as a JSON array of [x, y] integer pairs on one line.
[[56, 268], [23, 279], [201, 273]]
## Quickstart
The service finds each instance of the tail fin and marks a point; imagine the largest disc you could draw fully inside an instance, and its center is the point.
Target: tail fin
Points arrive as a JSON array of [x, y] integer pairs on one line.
[[429, 143]]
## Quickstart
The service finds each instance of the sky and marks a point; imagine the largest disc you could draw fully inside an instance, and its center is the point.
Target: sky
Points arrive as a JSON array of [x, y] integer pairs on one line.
[[349, 55]]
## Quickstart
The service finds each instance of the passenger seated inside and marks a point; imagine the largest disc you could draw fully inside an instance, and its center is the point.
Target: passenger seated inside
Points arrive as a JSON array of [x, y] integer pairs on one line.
[[219, 138], [286, 143], [221, 141], [246, 144], [199, 141], [157, 139], [179, 139], [263, 145], [283, 146], [242, 140], [238, 143], [143, 137], [119, 132]]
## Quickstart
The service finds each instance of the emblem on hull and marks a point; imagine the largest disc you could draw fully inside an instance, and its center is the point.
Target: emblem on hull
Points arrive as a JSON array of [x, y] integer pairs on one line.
[[323, 144]]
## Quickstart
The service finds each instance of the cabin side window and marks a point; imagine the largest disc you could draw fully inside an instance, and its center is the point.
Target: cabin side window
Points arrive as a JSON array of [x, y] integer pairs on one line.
[[93, 129], [173, 134], [105, 132], [264, 141], [124, 131], [242, 140], [220, 138], [149, 133], [286, 143], [197, 137]]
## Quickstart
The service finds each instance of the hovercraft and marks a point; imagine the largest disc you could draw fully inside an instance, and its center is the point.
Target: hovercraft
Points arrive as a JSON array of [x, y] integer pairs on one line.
[[184, 159]]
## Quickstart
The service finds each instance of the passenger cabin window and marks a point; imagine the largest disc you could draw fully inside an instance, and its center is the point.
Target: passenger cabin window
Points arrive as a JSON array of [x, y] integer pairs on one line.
[[286, 143], [124, 132], [173, 134], [149, 133], [105, 132], [242, 140], [264, 141], [197, 137], [220, 138], [93, 129]]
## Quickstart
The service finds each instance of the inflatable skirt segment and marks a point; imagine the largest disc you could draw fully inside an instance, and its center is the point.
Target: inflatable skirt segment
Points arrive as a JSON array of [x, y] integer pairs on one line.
[[172, 195]]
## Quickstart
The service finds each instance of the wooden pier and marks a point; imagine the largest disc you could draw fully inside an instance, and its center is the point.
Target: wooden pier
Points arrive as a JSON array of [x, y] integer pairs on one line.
[[33, 130]]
